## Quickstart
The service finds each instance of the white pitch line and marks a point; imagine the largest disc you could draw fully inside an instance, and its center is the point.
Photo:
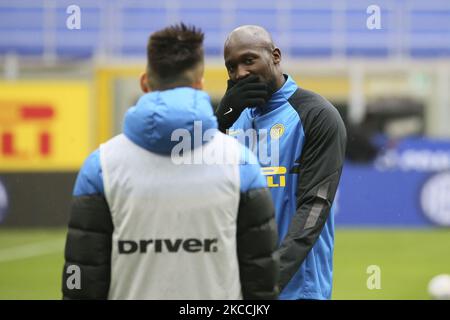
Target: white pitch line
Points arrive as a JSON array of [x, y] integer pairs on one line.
[[31, 250]]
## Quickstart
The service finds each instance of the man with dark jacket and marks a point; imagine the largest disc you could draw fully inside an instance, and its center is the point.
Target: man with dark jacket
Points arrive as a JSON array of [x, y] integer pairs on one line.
[[146, 223], [302, 156]]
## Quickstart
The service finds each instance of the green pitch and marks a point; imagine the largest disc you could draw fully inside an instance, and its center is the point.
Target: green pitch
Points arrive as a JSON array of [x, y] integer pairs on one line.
[[31, 262]]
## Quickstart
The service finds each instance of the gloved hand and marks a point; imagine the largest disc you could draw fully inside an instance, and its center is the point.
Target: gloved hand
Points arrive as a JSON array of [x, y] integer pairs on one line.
[[248, 92]]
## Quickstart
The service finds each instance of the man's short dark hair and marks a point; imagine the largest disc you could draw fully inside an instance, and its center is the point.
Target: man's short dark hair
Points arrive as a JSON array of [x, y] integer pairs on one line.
[[171, 52]]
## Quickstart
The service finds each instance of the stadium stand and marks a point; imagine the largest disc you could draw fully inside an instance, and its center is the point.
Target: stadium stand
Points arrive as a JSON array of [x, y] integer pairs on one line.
[[322, 28]]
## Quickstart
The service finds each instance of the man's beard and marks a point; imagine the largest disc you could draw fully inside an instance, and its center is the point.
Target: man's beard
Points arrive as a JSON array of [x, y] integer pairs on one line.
[[271, 87]]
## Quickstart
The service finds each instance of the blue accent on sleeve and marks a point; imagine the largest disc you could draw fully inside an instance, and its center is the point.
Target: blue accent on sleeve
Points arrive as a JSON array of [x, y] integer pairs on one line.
[[250, 171], [90, 179]]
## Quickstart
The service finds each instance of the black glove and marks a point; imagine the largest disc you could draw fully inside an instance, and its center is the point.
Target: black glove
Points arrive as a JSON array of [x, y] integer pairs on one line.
[[248, 92]]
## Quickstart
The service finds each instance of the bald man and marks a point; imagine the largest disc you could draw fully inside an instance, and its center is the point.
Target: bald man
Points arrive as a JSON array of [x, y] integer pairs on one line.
[[263, 102]]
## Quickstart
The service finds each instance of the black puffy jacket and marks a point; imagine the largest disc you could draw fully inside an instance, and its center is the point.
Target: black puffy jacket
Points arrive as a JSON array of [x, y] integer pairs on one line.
[[126, 216]]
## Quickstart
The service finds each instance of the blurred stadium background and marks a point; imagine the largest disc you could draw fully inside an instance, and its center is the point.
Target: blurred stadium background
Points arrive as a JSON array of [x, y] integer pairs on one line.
[[63, 91]]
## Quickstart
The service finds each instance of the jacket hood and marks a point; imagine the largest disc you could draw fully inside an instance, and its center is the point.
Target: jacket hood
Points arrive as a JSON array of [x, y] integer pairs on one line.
[[156, 115]]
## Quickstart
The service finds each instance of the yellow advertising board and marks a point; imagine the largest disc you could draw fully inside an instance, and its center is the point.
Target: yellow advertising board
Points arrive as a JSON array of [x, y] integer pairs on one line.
[[44, 126]]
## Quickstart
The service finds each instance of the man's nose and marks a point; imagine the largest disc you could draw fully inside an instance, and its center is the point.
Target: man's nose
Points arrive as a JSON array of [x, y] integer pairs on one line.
[[242, 72]]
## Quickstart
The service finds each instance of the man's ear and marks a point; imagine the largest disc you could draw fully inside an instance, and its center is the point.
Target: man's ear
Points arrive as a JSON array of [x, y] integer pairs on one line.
[[199, 84], [145, 87], [276, 56]]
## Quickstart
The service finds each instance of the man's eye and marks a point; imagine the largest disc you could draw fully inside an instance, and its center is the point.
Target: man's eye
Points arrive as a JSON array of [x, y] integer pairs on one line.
[[248, 61]]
